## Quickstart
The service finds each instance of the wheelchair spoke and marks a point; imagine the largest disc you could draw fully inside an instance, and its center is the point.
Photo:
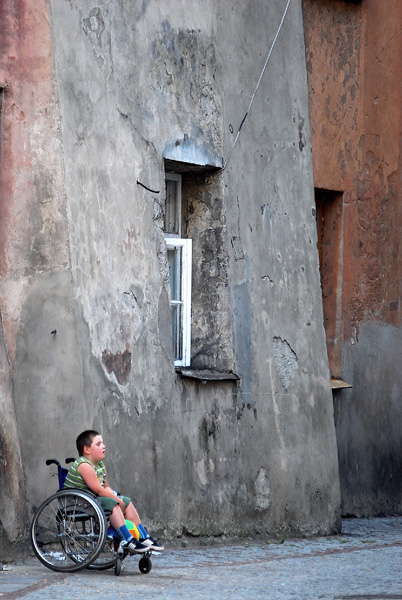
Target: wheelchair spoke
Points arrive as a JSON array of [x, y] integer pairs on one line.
[[68, 531]]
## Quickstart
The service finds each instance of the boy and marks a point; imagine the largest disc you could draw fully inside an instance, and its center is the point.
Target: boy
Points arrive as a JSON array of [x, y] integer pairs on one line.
[[89, 473]]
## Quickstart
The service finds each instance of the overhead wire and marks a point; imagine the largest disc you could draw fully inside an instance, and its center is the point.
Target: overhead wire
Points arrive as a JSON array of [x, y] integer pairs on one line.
[[258, 85]]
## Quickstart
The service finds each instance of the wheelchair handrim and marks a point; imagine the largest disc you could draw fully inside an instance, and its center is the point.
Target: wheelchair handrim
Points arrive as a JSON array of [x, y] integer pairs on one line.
[[69, 530]]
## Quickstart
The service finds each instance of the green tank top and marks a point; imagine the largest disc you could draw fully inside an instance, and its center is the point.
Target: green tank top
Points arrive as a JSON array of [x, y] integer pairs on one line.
[[75, 480]]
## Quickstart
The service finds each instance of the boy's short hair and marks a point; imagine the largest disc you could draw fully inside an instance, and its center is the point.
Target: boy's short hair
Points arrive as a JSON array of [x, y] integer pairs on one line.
[[85, 439]]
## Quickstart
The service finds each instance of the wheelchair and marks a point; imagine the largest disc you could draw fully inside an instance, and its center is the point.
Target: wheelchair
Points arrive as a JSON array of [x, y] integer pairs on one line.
[[70, 532]]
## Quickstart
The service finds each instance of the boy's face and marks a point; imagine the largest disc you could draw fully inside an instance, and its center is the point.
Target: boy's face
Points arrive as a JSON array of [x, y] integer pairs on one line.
[[96, 451]]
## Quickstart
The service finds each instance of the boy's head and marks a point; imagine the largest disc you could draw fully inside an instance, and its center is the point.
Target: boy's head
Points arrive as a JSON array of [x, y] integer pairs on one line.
[[85, 439]]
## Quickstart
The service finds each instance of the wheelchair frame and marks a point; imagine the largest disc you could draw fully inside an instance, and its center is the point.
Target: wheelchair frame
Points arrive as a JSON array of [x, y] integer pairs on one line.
[[70, 532]]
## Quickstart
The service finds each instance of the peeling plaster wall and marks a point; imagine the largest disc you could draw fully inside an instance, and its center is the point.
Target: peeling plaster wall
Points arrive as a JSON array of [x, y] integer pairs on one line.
[[133, 84], [259, 229], [34, 253], [353, 55]]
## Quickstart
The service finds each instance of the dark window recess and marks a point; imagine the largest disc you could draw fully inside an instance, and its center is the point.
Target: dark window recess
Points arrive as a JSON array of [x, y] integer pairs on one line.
[[330, 249]]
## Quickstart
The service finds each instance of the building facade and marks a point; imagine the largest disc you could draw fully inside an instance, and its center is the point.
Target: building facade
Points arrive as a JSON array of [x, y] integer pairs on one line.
[[159, 272]]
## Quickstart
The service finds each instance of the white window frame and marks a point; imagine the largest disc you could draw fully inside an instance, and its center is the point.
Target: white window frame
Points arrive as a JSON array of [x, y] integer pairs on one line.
[[184, 301]]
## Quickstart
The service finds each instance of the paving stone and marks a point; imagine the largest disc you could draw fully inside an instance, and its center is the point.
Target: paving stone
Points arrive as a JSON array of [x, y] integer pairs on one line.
[[363, 563]]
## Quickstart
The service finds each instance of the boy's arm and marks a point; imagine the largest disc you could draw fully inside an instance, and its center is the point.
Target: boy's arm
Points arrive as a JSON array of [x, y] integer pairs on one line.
[[107, 486], [89, 476]]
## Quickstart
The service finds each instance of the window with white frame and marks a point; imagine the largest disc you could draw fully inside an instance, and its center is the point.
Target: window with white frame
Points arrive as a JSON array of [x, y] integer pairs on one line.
[[179, 253]]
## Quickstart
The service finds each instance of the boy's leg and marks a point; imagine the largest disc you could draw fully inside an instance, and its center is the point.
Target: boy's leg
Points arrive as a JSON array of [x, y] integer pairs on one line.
[[117, 518], [118, 523], [145, 538], [132, 515]]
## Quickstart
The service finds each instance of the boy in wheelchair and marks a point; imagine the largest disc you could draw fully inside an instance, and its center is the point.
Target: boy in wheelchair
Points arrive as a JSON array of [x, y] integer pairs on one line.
[[89, 473]]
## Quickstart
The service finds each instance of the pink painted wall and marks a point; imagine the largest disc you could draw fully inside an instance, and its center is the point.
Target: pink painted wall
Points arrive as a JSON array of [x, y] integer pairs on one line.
[[354, 66]]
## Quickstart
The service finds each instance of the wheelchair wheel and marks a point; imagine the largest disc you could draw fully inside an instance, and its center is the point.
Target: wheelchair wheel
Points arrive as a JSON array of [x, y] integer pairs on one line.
[[68, 531], [145, 564], [117, 566], [106, 559]]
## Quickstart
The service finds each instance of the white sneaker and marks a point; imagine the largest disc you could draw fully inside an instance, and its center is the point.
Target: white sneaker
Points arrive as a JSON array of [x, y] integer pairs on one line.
[[133, 547], [152, 545]]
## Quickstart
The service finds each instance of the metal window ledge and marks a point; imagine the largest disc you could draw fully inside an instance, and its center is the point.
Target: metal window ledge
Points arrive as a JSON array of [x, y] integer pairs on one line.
[[204, 375], [339, 384]]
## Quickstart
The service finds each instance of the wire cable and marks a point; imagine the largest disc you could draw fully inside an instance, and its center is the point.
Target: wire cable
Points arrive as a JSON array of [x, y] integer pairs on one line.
[[147, 188], [257, 86]]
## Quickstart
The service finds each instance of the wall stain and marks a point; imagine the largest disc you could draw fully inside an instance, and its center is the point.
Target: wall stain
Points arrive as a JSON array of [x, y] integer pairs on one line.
[[119, 364]]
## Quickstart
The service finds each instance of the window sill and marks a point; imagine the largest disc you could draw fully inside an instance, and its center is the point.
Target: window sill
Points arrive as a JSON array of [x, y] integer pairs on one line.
[[204, 375], [339, 384]]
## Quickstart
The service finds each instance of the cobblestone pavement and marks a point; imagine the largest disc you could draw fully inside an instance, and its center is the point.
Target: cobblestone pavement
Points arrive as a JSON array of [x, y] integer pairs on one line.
[[362, 563]]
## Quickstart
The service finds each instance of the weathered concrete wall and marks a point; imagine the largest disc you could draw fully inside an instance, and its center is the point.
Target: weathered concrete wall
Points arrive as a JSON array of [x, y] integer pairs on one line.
[[136, 83], [274, 268], [34, 253], [353, 59]]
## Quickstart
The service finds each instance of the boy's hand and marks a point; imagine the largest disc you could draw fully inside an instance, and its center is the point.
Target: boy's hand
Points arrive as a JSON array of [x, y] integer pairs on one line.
[[114, 495]]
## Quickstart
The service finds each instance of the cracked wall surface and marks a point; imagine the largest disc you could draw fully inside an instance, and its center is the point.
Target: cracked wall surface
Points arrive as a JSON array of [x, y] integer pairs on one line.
[[129, 88]]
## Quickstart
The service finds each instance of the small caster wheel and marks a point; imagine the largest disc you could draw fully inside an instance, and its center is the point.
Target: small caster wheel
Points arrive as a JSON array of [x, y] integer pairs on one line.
[[117, 566], [145, 565]]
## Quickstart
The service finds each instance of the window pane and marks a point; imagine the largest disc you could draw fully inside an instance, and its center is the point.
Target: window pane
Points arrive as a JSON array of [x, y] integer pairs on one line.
[[176, 331], [179, 252], [172, 216], [174, 259], [174, 273]]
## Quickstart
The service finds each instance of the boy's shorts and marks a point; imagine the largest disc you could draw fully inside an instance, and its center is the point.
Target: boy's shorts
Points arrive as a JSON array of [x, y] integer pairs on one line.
[[108, 504]]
